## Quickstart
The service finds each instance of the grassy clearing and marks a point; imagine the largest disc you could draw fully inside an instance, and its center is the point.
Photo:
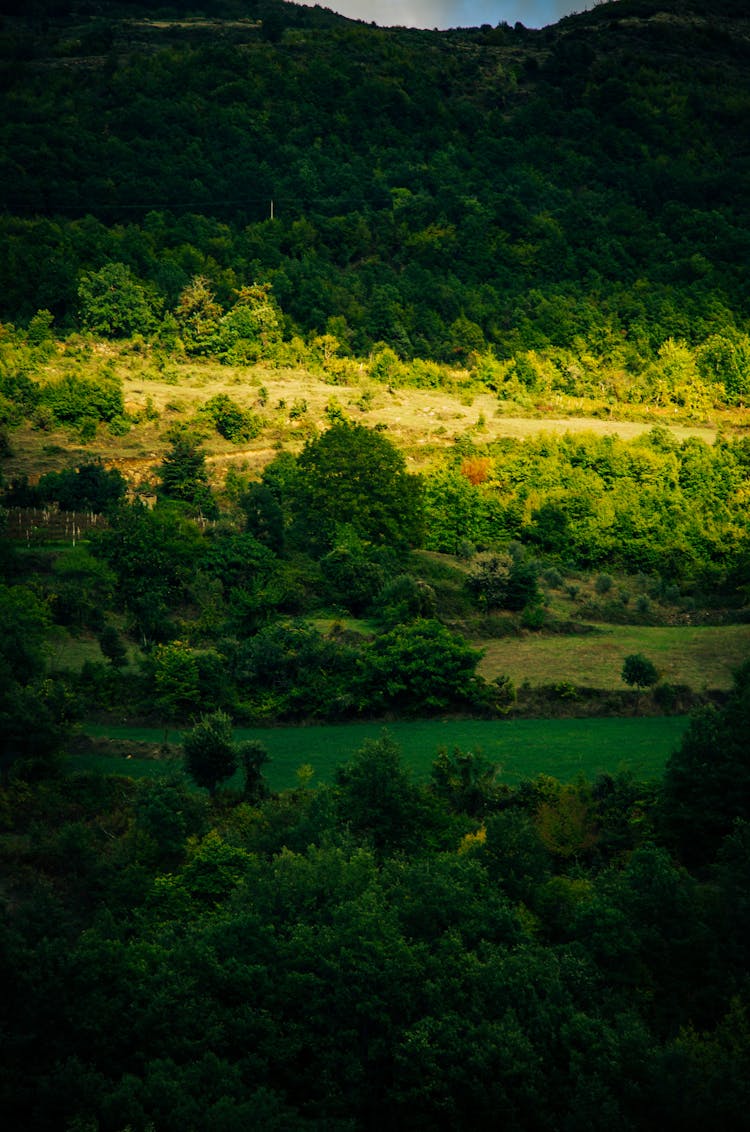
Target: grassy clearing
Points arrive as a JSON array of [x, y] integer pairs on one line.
[[522, 748], [703, 657], [419, 421]]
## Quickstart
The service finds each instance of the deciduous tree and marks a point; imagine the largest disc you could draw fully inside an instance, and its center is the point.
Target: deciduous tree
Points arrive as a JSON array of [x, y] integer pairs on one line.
[[210, 751], [354, 475]]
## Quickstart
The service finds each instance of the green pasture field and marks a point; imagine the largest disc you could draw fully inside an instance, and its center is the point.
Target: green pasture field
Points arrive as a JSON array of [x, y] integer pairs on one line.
[[701, 656], [523, 748]]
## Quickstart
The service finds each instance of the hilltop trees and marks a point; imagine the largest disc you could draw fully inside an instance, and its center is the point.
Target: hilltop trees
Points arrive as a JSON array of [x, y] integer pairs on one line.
[[496, 247]]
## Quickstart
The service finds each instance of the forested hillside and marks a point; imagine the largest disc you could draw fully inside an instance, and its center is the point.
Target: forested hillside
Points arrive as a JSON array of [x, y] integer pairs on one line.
[[584, 186], [356, 374]]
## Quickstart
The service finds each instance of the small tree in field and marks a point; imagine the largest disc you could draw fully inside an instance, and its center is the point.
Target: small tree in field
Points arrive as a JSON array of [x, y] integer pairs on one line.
[[210, 752], [639, 673], [252, 755]]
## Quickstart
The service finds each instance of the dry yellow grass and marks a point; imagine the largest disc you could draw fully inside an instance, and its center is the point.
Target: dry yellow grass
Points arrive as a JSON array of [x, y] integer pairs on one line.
[[420, 422], [703, 657]]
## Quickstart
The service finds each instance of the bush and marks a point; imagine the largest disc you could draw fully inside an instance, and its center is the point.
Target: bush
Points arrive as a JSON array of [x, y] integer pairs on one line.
[[507, 581], [603, 584], [404, 599], [230, 420], [77, 400]]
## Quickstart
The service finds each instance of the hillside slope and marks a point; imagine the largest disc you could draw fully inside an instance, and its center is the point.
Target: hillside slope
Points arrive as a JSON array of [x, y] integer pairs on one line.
[[443, 192]]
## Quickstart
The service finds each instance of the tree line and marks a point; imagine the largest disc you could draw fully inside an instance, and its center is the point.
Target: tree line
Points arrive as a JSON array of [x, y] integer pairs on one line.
[[444, 193]]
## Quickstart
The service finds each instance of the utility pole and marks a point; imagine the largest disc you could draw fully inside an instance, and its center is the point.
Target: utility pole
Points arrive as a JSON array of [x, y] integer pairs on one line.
[[272, 209]]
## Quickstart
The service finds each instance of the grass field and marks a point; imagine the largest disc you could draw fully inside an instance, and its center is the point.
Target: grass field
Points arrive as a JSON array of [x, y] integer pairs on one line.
[[522, 748], [703, 657], [419, 421]]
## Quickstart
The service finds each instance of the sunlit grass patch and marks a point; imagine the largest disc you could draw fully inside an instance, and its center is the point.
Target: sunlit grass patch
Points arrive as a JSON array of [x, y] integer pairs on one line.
[[702, 657]]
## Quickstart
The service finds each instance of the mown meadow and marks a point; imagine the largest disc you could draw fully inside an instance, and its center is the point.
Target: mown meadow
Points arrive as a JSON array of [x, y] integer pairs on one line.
[[519, 748]]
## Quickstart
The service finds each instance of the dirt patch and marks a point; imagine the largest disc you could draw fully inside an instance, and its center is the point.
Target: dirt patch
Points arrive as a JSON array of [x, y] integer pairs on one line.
[[124, 748]]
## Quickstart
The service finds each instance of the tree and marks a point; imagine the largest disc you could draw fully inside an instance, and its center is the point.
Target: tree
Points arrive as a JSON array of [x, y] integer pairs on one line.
[[82, 589], [183, 473], [507, 581], [253, 325], [153, 553], [231, 421], [639, 672], [209, 750], [352, 475], [465, 780], [89, 487], [377, 797], [198, 315], [264, 515], [353, 580], [25, 623], [421, 666], [252, 755], [706, 785], [175, 677], [114, 303], [34, 711], [404, 598], [112, 646]]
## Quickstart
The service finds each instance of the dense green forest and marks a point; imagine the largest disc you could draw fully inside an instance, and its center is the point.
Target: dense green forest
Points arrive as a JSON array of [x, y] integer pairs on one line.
[[207, 216], [583, 186]]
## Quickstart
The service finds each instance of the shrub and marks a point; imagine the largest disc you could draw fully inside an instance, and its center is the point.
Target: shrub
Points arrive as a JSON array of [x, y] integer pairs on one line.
[[230, 420], [603, 584], [507, 581], [76, 400]]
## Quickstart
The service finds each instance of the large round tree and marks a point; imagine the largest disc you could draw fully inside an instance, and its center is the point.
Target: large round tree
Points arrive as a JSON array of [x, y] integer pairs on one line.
[[353, 476]]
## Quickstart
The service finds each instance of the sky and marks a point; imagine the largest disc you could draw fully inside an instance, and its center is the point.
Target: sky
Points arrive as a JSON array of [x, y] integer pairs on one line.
[[455, 13]]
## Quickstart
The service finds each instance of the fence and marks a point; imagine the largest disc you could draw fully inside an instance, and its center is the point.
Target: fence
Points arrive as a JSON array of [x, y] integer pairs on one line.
[[38, 525]]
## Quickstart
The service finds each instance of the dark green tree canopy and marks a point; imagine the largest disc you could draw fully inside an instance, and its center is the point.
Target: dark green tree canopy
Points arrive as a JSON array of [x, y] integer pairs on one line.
[[353, 476], [210, 752], [89, 487], [639, 672], [183, 473], [376, 795], [707, 780]]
